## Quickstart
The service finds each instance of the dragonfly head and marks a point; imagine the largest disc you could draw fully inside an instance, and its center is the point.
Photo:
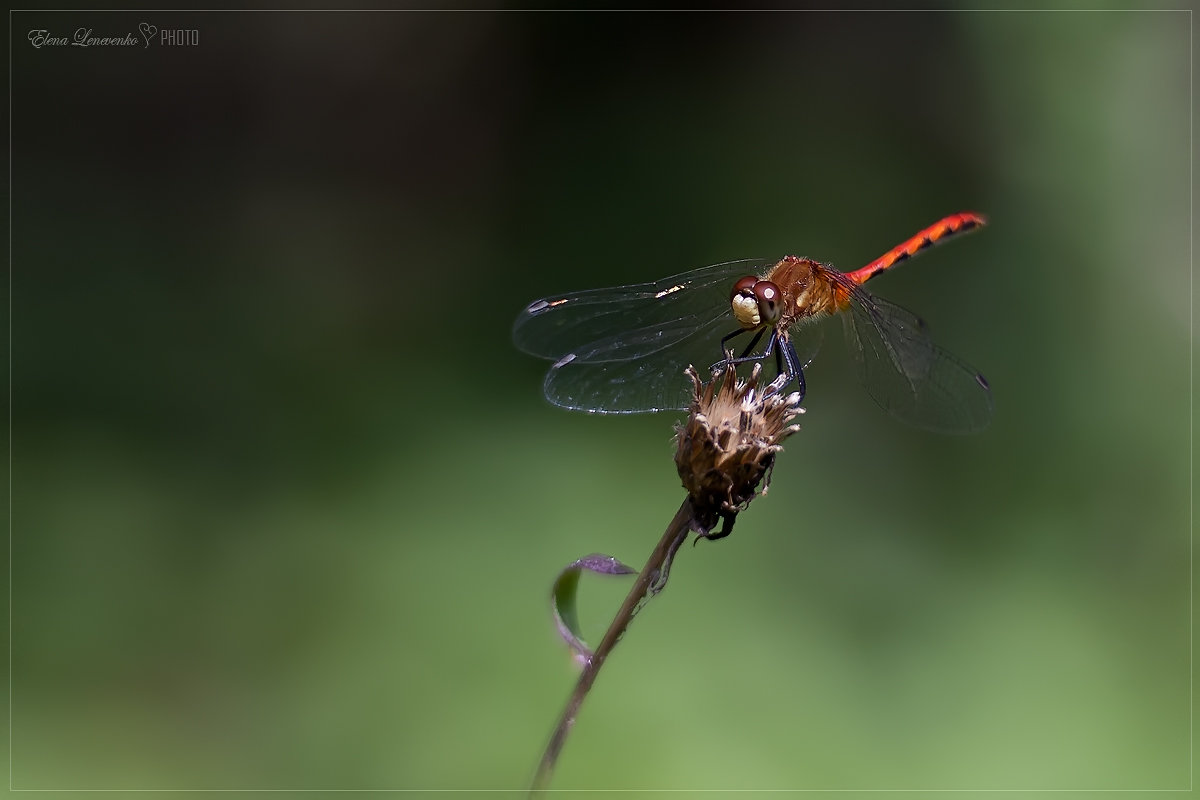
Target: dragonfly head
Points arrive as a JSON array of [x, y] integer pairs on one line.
[[756, 302]]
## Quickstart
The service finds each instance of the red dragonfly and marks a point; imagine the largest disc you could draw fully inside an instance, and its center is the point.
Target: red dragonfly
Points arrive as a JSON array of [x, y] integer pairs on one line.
[[623, 350]]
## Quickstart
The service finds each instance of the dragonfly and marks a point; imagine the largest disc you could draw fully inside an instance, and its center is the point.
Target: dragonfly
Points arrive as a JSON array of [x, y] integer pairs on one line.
[[623, 350]]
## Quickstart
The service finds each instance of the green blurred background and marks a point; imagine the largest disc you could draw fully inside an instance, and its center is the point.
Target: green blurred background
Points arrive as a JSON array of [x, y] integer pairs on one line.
[[287, 504]]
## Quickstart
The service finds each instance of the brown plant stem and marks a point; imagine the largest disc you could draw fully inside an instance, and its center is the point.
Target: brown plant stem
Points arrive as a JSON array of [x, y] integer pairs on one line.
[[649, 582]]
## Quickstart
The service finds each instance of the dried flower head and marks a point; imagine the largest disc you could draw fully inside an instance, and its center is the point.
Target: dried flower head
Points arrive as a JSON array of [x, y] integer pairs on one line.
[[728, 444]]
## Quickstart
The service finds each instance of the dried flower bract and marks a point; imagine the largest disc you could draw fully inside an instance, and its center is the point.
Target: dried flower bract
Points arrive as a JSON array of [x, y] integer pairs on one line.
[[728, 444]]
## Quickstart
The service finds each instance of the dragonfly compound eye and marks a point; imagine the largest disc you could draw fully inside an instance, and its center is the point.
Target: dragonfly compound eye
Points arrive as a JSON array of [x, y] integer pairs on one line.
[[769, 307], [744, 287], [745, 304]]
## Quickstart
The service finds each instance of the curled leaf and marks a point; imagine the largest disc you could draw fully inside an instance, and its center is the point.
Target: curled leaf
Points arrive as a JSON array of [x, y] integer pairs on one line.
[[566, 586]]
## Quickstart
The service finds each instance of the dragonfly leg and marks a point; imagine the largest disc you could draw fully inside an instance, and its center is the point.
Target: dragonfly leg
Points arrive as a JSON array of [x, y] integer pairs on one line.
[[794, 369], [749, 347], [743, 358], [730, 337], [753, 342]]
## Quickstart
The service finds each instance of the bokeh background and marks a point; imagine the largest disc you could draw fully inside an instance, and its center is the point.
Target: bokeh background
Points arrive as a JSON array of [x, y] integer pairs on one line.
[[287, 504]]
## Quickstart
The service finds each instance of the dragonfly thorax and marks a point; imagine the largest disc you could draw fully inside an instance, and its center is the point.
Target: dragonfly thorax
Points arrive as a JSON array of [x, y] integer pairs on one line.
[[755, 302], [810, 289]]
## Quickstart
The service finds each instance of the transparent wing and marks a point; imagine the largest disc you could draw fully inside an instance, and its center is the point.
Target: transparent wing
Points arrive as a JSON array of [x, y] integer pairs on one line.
[[629, 322], [623, 350], [597, 379], [907, 374], [807, 340]]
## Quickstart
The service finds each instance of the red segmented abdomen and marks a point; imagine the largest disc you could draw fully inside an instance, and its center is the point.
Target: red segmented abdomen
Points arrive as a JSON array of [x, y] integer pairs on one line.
[[942, 229]]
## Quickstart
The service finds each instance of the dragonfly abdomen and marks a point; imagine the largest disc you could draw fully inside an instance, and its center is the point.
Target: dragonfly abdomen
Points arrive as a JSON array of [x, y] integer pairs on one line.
[[938, 231]]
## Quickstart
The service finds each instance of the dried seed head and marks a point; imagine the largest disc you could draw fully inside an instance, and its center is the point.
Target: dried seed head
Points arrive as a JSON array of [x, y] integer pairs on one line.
[[728, 444]]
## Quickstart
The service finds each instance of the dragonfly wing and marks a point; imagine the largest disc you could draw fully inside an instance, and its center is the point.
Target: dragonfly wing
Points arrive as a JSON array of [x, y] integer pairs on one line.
[[591, 323], [603, 379], [807, 340], [908, 375]]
